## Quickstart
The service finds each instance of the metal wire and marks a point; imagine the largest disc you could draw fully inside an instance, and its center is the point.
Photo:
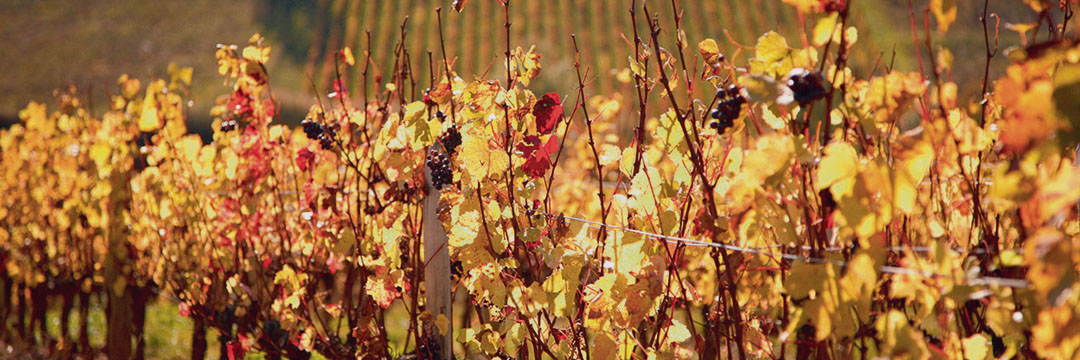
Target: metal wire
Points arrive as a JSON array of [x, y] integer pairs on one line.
[[979, 281]]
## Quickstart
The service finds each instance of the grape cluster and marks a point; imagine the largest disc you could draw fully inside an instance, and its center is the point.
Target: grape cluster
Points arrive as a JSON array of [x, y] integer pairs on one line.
[[441, 175], [273, 330], [727, 109], [316, 131], [228, 125], [429, 349], [806, 86], [450, 139]]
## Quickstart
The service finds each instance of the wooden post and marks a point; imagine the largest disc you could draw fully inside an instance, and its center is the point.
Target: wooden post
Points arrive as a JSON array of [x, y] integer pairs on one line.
[[119, 330], [438, 297]]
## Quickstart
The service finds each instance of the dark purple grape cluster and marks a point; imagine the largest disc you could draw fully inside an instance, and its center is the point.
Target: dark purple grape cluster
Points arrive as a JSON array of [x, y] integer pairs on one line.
[[727, 109], [806, 86], [450, 139], [441, 174], [316, 131], [429, 349], [228, 125]]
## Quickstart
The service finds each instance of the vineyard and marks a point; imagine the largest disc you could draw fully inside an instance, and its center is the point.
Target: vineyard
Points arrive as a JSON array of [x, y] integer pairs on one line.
[[706, 198], [476, 42]]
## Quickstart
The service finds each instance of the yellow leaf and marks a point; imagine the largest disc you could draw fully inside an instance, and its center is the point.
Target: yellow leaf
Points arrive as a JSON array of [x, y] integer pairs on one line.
[[276, 131], [851, 35], [609, 154], [898, 338], [824, 29], [443, 323], [915, 157], [99, 153], [190, 146], [421, 131], [630, 253], [286, 274], [292, 301], [149, 121], [1059, 193], [466, 222], [180, 74], [678, 332], [515, 335], [257, 54], [624, 76], [231, 161], [840, 163], [770, 155], [626, 163], [204, 166], [668, 132], [975, 347], [347, 55], [477, 158], [944, 13], [771, 47], [945, 63], [774, 122], [489, 341], [636, 66], [936, 228], [1022, 29], [709, 51], [307, 338]]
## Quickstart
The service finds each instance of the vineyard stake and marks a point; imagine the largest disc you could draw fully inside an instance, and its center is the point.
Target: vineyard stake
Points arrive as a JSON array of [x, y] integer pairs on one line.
[[438, 296]]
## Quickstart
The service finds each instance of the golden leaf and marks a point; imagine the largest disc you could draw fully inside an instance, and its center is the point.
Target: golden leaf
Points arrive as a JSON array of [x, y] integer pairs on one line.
[[678, 332], [976, 346], [944, 12], [823, 31], [609, 154], [709, 51], [840, 163]]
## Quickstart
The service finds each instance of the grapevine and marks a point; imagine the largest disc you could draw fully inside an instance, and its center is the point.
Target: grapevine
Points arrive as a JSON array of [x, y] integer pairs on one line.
[[775, 202]]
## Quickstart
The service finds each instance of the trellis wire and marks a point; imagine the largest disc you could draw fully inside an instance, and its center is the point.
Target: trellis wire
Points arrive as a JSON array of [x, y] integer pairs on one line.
[[985, 280]]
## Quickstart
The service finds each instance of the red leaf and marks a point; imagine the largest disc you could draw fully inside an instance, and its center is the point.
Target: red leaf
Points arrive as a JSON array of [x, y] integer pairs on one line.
[[340, 88], [185, 309], [551, 146], [240, 104], [309, 193], [548, 111], [538, 158], [254, 155], [531, 143], [333, 263], [245, 343], [304, 159], [235, 351]]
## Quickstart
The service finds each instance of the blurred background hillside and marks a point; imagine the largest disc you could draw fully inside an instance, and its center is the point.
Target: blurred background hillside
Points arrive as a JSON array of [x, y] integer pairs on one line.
[[89, 43]]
